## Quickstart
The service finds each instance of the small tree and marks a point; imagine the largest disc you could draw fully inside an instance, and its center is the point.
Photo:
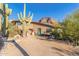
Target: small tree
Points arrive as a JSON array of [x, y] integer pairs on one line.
[[57, 32], [71, 28]]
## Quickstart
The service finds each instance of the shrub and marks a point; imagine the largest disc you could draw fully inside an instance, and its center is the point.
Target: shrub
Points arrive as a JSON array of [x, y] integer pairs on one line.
[[71, 28]]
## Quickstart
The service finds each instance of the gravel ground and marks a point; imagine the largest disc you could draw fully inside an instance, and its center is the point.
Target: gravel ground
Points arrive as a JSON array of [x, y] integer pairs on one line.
[[32, 46]]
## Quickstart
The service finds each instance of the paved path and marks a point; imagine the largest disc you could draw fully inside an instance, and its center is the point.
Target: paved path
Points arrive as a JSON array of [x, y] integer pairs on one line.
[[36, 47]]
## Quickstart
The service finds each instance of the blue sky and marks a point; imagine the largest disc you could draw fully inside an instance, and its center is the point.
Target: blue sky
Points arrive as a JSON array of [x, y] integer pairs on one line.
[[54, 10]]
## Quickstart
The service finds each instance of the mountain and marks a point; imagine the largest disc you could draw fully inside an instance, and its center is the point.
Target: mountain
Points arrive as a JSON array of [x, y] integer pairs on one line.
[[49, 21]]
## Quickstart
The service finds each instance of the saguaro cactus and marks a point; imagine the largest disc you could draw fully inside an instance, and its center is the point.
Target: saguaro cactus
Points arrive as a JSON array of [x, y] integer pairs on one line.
[[1, 14], [6, 13], [0, 23], [25, 20]]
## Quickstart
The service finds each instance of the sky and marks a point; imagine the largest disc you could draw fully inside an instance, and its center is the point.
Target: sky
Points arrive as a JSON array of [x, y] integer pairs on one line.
[[57, 11]]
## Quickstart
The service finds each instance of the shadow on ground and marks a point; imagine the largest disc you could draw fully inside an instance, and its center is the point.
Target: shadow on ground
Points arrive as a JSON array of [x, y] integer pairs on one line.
[[19, 48], [67, 52], [1, 43]]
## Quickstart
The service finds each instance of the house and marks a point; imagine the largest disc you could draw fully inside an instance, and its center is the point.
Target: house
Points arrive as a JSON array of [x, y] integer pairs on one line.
[[40, 27]]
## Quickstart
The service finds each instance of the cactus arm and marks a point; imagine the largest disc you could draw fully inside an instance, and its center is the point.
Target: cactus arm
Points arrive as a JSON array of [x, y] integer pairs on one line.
[[21, 15], [18, 16], [29, 15], [24, 10]]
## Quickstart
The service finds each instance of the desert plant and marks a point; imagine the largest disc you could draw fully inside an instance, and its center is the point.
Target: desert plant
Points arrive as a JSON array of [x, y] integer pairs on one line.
[[57, 33], [71, 28], [12, 30]]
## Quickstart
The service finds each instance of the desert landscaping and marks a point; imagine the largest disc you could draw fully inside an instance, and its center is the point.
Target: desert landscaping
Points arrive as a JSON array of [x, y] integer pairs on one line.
[[32, 46], [46, 37]]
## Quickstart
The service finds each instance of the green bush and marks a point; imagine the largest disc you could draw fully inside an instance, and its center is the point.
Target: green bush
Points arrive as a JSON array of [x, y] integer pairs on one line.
[[71, 28], [57, 32]]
